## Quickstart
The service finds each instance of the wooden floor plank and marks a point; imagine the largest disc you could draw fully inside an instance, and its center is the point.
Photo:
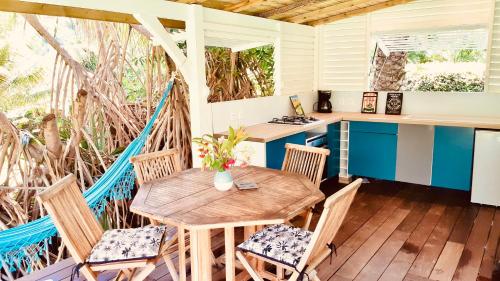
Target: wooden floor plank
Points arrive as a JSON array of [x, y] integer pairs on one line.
[[447, 262], [364, 253], [464, 224], [470, 261], [489, 260], [371, 200], [405, 257], [344, 252], [458, 236], [428, 256], [379, 262], [406, 251]]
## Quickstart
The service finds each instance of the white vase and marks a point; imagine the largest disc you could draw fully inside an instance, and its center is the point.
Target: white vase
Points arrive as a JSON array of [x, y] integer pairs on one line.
[[223, 181]]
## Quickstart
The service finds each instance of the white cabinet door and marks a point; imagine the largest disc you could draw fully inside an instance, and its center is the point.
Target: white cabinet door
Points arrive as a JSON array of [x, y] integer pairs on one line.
[[486, 171]]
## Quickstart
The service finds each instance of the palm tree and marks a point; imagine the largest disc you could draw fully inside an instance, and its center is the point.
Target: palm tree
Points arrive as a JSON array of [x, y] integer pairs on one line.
[[14, 81], [388, 70]]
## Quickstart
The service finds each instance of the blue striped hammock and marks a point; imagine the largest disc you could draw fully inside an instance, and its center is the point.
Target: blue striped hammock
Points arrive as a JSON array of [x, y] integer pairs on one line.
[[23, 244]]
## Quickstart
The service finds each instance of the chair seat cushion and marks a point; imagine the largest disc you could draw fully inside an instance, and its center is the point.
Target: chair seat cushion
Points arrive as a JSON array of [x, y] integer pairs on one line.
[[128, 244], [281, 243]]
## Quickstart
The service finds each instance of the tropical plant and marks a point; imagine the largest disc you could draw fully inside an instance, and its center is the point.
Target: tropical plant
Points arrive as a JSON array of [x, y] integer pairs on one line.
[[15, 82], [219, 153], [446, 82], [239, 75]]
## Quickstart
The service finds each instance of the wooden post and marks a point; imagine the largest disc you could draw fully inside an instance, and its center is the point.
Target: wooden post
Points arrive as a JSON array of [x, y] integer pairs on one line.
[[200, 110], [230, 255], [201, 262]]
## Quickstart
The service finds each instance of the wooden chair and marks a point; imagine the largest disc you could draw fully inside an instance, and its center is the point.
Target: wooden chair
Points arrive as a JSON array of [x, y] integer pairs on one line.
[[156, 165], [311, 248], [307, 161], [84, 237]]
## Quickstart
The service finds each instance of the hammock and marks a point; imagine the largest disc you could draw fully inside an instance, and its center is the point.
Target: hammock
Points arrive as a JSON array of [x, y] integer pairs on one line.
[[24, 244]]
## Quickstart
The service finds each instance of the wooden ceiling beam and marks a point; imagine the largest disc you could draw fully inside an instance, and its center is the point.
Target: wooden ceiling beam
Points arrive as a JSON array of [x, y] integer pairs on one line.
[[360, 11], [280, 12], [243, 5], [17, 6], [328, 10]]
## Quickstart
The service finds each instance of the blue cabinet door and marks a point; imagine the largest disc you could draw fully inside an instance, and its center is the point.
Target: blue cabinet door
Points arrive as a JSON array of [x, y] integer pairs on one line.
[[373, 150], [275, 150], [452, 157], [333, 138]]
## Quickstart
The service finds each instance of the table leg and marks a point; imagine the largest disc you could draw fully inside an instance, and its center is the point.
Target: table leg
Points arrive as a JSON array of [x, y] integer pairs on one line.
[[181, 241], [247, 231], [201, 265], [230, 256], [260, 264]]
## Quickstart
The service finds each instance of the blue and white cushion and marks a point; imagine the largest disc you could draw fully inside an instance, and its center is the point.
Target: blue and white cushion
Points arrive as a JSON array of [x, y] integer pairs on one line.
[[128, 244], [281, 243]]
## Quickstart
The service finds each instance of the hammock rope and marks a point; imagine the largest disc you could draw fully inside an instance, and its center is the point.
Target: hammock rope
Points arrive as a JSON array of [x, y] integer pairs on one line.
[[23, 244]]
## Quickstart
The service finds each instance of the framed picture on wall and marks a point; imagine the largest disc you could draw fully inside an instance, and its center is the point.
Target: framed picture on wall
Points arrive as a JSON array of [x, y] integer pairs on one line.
[[394, 103], [369, 102]]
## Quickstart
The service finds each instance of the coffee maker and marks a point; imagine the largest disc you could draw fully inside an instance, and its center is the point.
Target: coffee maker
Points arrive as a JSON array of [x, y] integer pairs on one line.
[[324, 104]]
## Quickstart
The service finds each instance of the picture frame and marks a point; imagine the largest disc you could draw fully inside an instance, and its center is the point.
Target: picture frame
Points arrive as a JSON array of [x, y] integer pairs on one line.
[[369, 102], [297, 106], [394, 103]]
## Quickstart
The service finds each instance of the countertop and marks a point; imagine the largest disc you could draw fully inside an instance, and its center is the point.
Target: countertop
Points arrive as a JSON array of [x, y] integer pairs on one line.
[[266, 132]]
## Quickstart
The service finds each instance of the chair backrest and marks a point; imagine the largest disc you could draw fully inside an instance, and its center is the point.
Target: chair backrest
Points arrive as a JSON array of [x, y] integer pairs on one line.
[[305, 160], [334, 212], [156, 165], [74, 220]]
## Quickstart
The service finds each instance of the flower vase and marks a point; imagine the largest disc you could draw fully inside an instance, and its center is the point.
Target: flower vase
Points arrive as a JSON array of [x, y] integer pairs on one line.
[[223, 181]]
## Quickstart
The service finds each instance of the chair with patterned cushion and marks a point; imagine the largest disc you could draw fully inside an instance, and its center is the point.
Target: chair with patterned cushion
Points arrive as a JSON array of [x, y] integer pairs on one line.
[[296, 249], [158, 165], [134, 252], [308, 161]]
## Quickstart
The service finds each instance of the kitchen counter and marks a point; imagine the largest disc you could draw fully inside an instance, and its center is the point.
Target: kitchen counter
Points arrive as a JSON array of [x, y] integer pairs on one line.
[[266, 132]]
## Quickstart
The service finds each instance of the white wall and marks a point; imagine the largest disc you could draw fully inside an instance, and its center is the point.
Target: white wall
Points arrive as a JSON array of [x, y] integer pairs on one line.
[[345, 55], [465, 104], [253, 111], [294, 67], [342, 55]]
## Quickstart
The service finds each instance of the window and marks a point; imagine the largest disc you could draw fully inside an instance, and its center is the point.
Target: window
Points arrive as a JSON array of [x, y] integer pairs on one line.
[[239, 75], [445, 61]]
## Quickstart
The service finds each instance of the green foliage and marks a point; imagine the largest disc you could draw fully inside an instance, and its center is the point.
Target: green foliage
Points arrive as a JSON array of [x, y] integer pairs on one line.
[[15, 87], [447, 82], [133, 87], [265, 57], [419, 57], [469, 56], [218, 153], [12, 101], [89, 60]]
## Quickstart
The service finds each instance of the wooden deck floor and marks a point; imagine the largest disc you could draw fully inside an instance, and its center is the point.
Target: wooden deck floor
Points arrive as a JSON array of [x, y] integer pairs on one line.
[[393, 231]]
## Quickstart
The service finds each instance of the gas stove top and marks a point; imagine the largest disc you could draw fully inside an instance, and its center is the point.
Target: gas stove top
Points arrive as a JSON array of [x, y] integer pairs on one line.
[[295, 120]]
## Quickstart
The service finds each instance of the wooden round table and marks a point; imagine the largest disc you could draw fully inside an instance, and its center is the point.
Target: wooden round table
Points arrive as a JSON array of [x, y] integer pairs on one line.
[[190, 201]]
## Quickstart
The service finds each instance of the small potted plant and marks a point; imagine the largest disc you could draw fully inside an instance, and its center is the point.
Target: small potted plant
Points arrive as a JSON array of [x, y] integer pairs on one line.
[[219, 154]]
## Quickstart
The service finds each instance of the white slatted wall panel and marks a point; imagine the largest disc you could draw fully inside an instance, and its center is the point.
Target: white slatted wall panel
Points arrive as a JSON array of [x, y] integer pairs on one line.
[[431, 15], [344, 45], [343, 59], [493, 81], [297, 59]]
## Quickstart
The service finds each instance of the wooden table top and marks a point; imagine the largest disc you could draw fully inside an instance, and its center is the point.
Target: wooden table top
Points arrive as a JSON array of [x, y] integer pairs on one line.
[[190, 199], [266, 132]]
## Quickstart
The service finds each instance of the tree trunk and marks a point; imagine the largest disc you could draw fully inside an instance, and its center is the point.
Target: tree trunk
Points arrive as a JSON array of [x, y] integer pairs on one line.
[[51, 135], [389, 71]]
